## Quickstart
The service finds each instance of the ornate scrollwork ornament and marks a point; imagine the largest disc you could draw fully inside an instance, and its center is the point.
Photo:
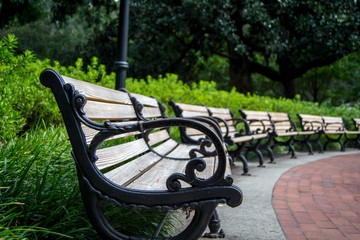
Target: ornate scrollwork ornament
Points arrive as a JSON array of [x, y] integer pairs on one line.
[[204, 143], [173, 184]]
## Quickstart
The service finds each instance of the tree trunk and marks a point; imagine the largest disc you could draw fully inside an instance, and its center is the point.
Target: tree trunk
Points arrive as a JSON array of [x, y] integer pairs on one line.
[[289, 88], [240, 75], [4, 13]]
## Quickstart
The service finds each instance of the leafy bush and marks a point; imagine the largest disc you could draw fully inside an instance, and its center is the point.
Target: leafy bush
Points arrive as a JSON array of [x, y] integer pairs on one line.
[[23, 100]]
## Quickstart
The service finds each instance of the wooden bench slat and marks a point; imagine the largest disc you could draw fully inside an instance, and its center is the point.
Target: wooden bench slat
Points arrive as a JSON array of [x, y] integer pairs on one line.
[[114, 155], [193, 108], [146, 101], [352, 132], [90, 133], [216, 111], [127, 173], [304, 133], [188, 114], [99, 93], [108, 111], [155, 178], [332, 132], [242, 139], [287, 134]]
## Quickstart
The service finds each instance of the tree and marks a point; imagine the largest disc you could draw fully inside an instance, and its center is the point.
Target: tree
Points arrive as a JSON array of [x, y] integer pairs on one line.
[[19, 11], [278, 39]]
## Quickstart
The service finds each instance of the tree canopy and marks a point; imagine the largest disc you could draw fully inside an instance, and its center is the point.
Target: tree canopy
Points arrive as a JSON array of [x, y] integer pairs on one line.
[[228, 41], [281, 40]]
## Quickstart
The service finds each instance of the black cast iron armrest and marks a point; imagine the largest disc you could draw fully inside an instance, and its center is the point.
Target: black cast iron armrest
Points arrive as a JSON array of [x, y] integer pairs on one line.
[[195, 163], [246, 124], [211, 121]]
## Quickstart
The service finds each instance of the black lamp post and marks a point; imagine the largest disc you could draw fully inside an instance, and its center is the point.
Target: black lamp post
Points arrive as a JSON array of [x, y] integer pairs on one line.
[[121, 64]]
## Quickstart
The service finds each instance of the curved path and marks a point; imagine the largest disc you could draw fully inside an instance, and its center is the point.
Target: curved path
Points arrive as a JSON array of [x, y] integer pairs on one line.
[[255, 218], [320, 200]]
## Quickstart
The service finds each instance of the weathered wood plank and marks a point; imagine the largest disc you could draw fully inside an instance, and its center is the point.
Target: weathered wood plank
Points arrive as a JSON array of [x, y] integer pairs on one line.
[[99, 93], [114, 155], [146, 101], [193, 108], [127, 173]]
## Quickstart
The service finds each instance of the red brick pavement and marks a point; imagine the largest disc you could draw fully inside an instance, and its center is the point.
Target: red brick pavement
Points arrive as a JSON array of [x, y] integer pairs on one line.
[[320, 200]]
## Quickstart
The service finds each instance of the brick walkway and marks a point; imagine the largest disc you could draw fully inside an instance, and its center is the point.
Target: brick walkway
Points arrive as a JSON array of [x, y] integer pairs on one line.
[[320, 200]]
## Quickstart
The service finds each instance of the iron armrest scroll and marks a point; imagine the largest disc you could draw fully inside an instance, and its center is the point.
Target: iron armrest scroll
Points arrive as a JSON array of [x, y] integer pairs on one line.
[[312, 128], [264, 130], [194, 164], [241, 132]]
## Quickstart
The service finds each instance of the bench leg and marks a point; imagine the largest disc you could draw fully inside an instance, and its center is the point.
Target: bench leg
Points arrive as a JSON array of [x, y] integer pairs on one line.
[[337, 140], [245, 165], [271, 154], [214, 226], [292, 150], [260, 156], [311, 152], [305, 141], [203, 214], [243, 159]]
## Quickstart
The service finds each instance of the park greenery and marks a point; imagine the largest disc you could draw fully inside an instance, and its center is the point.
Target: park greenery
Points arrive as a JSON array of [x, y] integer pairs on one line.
[[267, 47], [284, 56], [38, 189]]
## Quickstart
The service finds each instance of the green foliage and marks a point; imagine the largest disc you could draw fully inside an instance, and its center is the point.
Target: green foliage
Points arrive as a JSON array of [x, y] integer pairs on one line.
[[22, 99], [64, 43], [336, 84], [39, 195]]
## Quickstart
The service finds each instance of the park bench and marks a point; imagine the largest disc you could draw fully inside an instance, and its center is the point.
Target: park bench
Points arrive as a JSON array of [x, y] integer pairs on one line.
[[126, 157], [312, 123], [237, 131], [336, 126], [286, 127], [260, 122], [355, 132], [332, 127], [228, 124]]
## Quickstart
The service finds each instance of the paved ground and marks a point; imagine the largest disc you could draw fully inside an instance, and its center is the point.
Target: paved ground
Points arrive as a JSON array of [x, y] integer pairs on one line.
[[256, 218], [320, 200]]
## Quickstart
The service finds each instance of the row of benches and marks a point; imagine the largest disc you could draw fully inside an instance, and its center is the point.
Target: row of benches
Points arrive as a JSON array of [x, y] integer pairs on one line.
[[260, 130], [126, 153]]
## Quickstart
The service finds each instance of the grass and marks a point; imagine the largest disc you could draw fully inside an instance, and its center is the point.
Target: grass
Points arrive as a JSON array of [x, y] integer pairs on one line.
[[40, 197]]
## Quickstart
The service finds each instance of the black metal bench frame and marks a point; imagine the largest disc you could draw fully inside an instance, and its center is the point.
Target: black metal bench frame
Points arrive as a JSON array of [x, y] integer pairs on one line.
[[203, 195]]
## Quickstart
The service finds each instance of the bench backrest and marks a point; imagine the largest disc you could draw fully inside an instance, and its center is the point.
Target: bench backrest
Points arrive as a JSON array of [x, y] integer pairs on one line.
[[311, 122], [282, 121], [258, 121], [189, 111], [333, 123], [104, 104], [226, 115]]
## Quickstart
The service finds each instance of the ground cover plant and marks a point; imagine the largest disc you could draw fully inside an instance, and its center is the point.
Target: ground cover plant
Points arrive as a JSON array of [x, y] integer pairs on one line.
[[39, 195]]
